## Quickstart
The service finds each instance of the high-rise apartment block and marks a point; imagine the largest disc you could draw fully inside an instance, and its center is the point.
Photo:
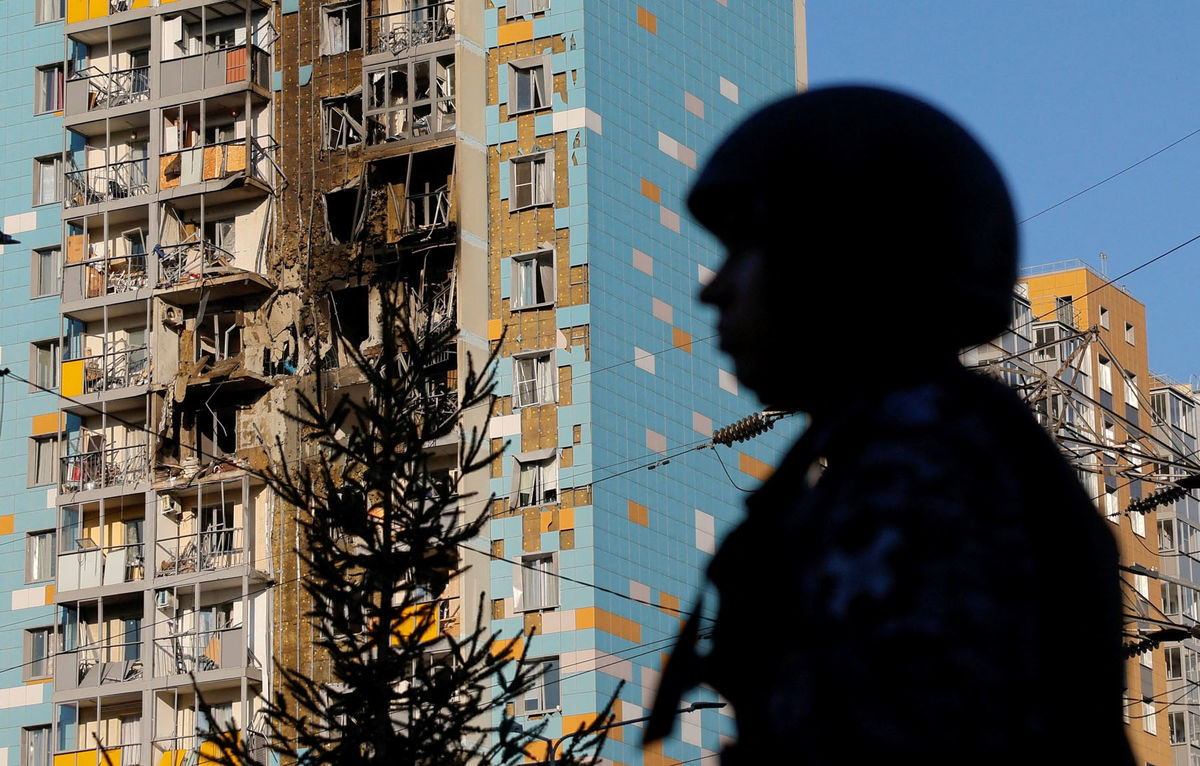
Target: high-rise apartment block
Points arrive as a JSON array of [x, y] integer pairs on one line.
[[203, 201]]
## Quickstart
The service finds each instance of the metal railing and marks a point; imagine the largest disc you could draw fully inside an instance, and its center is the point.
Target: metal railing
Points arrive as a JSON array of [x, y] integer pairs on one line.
[[119, 180], [186, 261], [200, 552], [105, 468], [196, 651], [118, 754], [104, 276], [106, 90], [115, 369], [191, 751], [215, 162], [426, 211], [397, 32]]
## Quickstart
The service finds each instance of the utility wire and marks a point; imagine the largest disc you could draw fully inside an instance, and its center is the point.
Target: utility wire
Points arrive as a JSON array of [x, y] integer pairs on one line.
[[1106, 180]]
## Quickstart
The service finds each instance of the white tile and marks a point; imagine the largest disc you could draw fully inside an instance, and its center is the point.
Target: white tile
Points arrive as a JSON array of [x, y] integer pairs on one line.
[[667, 145], [690, 728], [649, 686], [11, 222], [639, 591], [702, 424], [504, 425], [729, 90], [593, 122], [51, 498], [668, 218], [29, 221], [568, 119], [693, 104], [727, 381], [705, 542], [643, 360], [616, 667], [655, 442], [662, 310], [643, 262], [686, 156], [3, 756], [704, 274], [566, 621], [705, 522]]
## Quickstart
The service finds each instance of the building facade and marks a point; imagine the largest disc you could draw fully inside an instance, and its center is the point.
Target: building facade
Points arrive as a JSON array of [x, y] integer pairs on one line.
[[218, 191]]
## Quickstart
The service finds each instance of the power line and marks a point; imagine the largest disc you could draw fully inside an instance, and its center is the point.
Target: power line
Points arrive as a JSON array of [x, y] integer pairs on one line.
[[1109, 178]]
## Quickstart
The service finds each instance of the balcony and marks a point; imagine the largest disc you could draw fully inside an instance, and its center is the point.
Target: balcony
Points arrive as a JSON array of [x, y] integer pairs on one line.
[[187, 751], [83, 10], [97, 665], [200, 650], [92, 566], [399, 31], [101, 469], [105, 183], [186, 261], [242, 64], [106, 372], [206, 551], [236, 158], [91, 89]]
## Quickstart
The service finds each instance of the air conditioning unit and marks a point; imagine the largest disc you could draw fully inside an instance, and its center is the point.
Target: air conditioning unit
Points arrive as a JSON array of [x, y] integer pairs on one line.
[[165, 600]]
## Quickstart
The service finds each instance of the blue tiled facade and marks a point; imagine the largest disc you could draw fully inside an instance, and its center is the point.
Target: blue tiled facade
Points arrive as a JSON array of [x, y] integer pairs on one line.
[[649, 89], [23, 320]]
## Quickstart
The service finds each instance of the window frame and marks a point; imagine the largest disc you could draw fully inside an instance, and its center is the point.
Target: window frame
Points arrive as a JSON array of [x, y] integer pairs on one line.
[[29, 661], [526, 577], [538, 398], [33, 474], [42, 78], [31, 576], [350, 125], [541, 193], [55, 161], [543, 90], [340, 9], [527, 7], [1130, 334], [36, 288], [40, 18], [48, 750], [54, 346], [1104, 378], [542, 459], [548, 666], [549, 292]]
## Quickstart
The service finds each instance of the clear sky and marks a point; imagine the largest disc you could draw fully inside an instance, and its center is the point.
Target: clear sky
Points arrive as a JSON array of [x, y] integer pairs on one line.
[[1063, 93]]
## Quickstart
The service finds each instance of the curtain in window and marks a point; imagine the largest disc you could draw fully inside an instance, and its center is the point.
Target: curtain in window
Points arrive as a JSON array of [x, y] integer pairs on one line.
[[525, 385], [47, 181], [525, 283], [545, 266], [544, 180], [528, 484], [37, 746], [544, 380], [549, 481], [131, 749]]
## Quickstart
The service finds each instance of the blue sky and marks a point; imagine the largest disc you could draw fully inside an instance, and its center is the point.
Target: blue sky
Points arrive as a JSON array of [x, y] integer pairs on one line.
[[1063, 94]]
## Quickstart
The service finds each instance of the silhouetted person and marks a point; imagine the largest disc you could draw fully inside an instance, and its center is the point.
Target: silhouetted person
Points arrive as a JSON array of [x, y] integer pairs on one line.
[[924, 577]]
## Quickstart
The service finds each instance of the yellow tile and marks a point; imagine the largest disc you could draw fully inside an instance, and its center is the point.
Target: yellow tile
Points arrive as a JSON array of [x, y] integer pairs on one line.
[[509, 649], [516, 32], [72, 378], [47, 424], [495, 330], [49, 594], [566, 518]]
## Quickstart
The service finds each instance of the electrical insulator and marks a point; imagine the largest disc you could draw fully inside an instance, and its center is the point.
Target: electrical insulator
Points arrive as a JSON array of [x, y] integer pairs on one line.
[[741, 430]]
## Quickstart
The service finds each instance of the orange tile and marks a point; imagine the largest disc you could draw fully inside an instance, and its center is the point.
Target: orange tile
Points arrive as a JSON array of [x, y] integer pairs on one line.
[[585, 618], [681, 339], [668, 603], [495, 329], [566, 518], [49, 594], [647, 20], [639, 514], [7, 524], [651, 190], [509, 649], [756, 468]]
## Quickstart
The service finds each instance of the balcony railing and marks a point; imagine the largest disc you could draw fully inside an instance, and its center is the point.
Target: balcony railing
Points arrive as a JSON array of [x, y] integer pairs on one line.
[[105, 468], [116, 369], [196, 651], [215, 162], [226, 66], [120, 180], [201, 552], [194, 751], [105, 90], [397, 32], [426, 211], [98, 665], [104, 276], [109, 755], [92, 567], [186, 261]]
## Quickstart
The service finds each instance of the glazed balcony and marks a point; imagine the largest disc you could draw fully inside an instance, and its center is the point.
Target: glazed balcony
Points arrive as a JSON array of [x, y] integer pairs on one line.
[[92, 566], [101, 664]]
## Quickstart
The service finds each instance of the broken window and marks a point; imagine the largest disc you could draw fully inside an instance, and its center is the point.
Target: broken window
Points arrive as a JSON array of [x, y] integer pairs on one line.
[[532, 279], [216, 432], [349, 315], [528, 84], [220, 336], [341, 121], [534, 379], [535, 478], [344, 214], [341, 28], [411, 99], [531, 181]]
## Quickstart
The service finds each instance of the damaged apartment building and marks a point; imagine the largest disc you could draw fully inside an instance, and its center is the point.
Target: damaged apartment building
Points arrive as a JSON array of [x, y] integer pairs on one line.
[[240, 181]]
